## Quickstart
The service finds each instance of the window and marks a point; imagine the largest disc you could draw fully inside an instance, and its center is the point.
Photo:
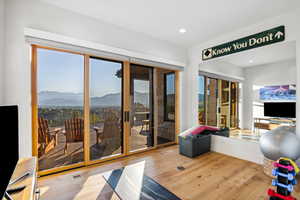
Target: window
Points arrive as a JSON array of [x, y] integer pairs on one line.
[[169, 97], [201, 99], [217, 102], [60, 95], [106, 108]]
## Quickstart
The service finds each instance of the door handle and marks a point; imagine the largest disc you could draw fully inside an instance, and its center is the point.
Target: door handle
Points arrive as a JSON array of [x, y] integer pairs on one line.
[[126, 116]]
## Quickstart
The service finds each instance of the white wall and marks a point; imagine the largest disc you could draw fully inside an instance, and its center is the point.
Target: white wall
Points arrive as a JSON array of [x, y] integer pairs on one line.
[[1, 51], [280, 73], [190, 94], [38, 15], [223, 69], [243, 149], [298, 84]]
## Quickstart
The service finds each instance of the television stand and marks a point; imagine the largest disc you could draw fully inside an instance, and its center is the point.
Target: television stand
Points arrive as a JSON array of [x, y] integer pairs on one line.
[[269, 123]]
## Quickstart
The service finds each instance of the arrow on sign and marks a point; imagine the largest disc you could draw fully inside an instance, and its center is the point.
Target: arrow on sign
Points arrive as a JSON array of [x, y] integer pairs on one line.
[[278, 34]]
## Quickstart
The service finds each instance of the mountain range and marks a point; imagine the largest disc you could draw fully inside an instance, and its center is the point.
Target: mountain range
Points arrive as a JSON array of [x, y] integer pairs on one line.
[[53, 98]]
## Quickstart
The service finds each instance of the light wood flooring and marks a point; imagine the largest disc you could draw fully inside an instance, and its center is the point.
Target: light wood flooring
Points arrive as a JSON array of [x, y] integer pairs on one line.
[[212, 176]]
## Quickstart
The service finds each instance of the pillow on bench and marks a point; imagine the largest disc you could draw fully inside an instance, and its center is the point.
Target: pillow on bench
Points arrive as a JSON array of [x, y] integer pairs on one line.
[[201, 129], [196, 130], [188, 131]]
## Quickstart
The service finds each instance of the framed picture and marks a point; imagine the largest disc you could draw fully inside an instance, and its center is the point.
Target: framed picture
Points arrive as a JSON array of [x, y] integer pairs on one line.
[[278, 93]]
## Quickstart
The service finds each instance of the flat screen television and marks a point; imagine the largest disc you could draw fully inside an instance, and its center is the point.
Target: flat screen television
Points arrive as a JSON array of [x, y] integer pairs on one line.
[[280, 109], [10, 145]]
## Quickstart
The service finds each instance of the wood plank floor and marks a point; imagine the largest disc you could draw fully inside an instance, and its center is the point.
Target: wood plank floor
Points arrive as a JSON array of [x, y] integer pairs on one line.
[[209, 177]]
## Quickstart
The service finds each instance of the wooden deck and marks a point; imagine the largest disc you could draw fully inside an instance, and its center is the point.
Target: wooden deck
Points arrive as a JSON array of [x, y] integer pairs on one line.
[[212, 176], [57, 157]]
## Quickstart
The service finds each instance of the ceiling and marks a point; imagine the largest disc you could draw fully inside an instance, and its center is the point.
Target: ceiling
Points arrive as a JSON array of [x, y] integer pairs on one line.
[[162, 19], [263, 55]]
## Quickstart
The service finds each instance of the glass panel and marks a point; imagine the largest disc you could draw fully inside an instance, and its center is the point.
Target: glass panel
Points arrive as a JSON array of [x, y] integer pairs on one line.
[[60, 108], [201, 99], [106, 122], [169, 95], [212, 95], [224, 104], [234, 104], [165, 97], [141, 117]]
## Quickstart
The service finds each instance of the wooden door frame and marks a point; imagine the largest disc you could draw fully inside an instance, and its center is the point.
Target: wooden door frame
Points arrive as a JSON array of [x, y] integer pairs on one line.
[[86, 116], [126, 107], [128, 132], [34, 111], [177, 111], [177, 105]]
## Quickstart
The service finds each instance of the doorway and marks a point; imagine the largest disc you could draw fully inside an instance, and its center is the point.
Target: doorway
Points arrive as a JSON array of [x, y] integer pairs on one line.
[[141, 112], [212, 102]]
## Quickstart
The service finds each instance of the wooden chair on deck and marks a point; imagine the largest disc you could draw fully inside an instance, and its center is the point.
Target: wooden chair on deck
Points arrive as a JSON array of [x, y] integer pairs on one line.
[[111, 129], [74, 131], [47, 139]]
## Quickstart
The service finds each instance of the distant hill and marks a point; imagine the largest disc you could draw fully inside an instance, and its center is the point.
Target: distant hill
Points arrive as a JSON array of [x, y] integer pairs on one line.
[[52, 98]]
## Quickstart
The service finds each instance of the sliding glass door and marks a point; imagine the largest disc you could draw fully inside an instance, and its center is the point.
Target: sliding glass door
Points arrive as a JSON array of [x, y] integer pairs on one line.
[[166, 108], [141, 115], [87, 109], [201, 100], [224, 103], [60, 101], [212, 102], [106, 109], [234, 88]]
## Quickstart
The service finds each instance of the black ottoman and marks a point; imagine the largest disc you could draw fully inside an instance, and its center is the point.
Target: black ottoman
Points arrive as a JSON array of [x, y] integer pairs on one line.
[[194, 145]]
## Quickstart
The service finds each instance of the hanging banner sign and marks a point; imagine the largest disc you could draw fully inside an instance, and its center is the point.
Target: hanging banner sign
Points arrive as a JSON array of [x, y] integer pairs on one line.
[[250, 42]]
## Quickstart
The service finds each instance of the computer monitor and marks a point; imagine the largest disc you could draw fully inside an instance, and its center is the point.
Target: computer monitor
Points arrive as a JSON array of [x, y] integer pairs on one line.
[[10, 145]]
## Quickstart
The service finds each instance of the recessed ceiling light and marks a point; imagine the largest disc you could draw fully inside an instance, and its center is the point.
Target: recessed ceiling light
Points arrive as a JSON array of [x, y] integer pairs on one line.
[[250, 61], [182, 30]]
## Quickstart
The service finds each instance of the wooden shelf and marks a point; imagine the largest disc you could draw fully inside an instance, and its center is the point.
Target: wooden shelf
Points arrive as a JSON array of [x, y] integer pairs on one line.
[[266, 126], [271, 123]]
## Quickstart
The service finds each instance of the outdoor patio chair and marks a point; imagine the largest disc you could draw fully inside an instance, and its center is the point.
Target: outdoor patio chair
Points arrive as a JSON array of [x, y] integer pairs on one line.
[[47, 139], [74, 131], [111, 129]]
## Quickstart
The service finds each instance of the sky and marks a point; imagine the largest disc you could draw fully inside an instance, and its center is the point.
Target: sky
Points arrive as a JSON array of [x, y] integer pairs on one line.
[[171, 84], [201, 84], [64, 72], [103, 79], [59, 71]]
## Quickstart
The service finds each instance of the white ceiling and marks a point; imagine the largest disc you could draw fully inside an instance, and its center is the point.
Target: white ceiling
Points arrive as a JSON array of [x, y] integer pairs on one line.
[[263, 55], [162, 19]]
